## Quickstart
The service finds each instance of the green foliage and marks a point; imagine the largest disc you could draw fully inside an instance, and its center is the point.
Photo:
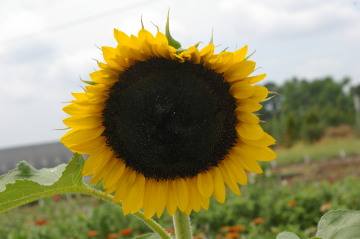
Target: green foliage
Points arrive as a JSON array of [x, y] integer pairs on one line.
[[287, 235], [340, 225], [25, 184], [304, 109]]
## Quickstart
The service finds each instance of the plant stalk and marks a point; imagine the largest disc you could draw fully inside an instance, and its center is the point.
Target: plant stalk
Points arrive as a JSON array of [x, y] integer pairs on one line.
[[182, 225]]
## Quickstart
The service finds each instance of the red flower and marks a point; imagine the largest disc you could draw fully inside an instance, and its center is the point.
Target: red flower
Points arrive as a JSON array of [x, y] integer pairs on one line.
[[92, 233], [259, 220], [112, 236], [170, 231], [292, 203], [231, 235], [126, 231], [237, 228], [41, 222]]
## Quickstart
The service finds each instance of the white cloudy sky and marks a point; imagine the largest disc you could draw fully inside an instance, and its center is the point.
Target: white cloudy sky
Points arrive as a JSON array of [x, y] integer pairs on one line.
[[46, 46]]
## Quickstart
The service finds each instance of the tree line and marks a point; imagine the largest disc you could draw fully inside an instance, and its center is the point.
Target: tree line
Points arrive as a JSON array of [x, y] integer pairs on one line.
[[301, 109]]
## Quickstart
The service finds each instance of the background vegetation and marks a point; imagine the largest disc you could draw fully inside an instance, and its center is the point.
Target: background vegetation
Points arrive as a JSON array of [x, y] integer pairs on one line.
[[307, 110]]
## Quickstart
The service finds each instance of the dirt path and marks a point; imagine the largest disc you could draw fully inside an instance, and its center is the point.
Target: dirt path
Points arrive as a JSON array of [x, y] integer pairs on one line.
[[330, 169]]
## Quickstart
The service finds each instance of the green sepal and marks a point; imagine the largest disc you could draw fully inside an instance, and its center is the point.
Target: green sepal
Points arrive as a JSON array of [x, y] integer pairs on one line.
[[197, 44], [25, 184], [89, 82], [212, 37], [246, 58], [172, 42]]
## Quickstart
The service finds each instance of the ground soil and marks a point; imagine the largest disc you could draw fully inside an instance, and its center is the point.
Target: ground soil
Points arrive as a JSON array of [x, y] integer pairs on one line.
[[329, 169]]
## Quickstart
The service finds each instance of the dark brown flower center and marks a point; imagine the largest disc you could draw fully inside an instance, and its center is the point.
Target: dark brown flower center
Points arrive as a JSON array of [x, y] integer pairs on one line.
[[170, 120]]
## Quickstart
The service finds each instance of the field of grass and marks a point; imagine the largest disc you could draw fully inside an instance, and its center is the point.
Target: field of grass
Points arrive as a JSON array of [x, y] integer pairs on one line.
[[325, 149]]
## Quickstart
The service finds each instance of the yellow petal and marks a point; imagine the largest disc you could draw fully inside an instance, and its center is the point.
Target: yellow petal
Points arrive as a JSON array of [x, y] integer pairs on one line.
[[219, 187], [181, 192], [171, 201], [240, 54], [247, 117], [229, 179], [192, 54], [266, 140], [89, 146], [207, 52], [121, 37], [100, 174], [246, 162], [98, 89], [239, 71], [82, 111], [104, 77], [114, 174], [241, 90], [248, 105], [150, 198], [88, 122], [126, 182], [135, 195], [256, 153], [162, 193], [237, 170], [194, 195], [249, 131], [254, 79], [205, 184], [260, 93], [96, 161], [76, 136]]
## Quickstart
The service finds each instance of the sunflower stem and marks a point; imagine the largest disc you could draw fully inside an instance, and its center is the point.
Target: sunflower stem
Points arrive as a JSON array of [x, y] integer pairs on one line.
[[182, 225]]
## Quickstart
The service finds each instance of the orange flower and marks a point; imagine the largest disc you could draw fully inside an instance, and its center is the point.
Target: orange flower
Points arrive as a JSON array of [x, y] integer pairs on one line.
[[325, 207], [91, 233], [292, 203], [112, 236], [258, 220], [224, 229], [237, 228], [219, 236], [41, 222], [231, 235], [199, 236], [170, 231], [126, 231]]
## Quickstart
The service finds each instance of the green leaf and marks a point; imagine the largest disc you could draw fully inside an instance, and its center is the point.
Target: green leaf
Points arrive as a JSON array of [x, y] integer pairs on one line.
[[147, 236], [341, 224], [287, 235], [171, 40], [25, 184]]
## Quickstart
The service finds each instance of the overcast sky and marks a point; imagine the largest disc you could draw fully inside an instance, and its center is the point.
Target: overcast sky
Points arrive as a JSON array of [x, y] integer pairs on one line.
[[47, 46]]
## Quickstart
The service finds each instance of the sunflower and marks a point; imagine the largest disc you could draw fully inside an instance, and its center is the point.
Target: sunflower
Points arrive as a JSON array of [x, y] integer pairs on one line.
[[168, 128]]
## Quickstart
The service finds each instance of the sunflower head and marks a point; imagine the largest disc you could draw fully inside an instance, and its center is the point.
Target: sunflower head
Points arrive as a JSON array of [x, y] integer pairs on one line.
[[166, 128]]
